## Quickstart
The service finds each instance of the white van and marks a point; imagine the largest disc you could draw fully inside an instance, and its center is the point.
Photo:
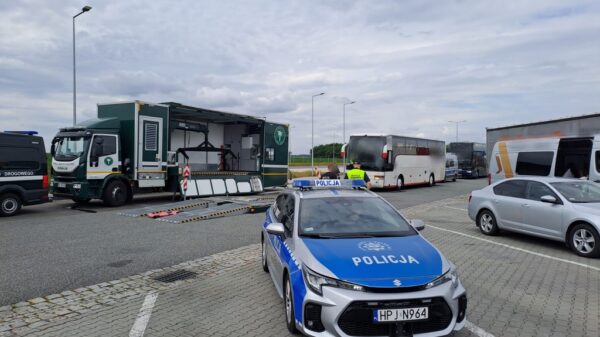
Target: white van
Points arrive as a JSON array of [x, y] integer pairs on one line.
[[576, 157]]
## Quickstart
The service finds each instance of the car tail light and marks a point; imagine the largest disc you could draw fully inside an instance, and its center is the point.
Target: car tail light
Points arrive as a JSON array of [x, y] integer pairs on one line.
[[45, 182]]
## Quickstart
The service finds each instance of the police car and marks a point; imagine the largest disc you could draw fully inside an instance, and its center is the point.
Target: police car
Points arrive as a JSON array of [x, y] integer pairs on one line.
[[347, 263]]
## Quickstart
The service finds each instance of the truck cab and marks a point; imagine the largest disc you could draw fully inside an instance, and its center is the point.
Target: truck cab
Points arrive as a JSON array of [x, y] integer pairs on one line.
[[87, 163]]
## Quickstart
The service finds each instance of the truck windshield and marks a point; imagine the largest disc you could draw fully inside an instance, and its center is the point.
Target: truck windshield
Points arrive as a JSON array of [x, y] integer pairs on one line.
[[70, 148], [351, 217], [367, 150]]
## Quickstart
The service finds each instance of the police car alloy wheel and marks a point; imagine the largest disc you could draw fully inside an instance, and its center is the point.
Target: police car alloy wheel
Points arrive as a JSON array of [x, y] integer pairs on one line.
[[10, 204], [288, 301], [487, 223], [265, 266], [584, 240]]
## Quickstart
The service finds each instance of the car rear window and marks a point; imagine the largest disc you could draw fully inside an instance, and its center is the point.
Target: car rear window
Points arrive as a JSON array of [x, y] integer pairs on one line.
[[511, 188]]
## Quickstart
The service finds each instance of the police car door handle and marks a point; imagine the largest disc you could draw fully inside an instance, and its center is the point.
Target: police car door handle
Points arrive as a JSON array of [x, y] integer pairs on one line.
[[526, 205]]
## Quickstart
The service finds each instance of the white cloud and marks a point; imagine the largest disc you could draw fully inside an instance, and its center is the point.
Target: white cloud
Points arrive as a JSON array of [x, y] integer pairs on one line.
[[410, 65]]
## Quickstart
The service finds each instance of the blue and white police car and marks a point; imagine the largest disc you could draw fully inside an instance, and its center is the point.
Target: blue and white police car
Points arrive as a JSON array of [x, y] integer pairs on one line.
[[347, 263]]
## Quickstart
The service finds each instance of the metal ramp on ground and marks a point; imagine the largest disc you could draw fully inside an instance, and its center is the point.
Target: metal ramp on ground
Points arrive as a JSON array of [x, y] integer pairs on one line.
[[207, 213], [174, 206], [206, 208]]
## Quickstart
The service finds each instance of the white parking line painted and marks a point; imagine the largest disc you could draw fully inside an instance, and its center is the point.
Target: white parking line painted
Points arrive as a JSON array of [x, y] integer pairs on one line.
[[139, 327], [477, 330], [517, 248], [456, 208]]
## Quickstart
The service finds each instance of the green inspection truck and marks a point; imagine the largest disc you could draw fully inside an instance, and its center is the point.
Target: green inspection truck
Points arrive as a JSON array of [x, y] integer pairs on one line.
[[137, 147]]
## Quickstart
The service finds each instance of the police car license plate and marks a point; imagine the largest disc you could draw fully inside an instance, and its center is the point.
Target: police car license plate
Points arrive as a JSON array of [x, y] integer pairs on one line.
[[399, 315], [62, 185]]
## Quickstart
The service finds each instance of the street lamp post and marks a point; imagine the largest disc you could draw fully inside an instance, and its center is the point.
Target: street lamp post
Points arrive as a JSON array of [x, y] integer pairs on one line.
[[83, 10], [457, 122], [344, 127], [312, 137]]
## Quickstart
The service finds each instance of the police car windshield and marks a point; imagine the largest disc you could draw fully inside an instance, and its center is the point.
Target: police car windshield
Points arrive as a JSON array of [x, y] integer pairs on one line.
[[350, 217]]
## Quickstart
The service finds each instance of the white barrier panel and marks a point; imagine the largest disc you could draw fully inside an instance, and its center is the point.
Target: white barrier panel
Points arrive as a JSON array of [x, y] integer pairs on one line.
[[256, 184], [204, 187], [192, 191], [231, 186], [218, 186], [244, 187]]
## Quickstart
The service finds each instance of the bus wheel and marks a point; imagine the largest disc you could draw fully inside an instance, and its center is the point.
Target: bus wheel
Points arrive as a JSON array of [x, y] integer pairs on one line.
[[400, 183], [431, 180], [115, 194], [10, 204]]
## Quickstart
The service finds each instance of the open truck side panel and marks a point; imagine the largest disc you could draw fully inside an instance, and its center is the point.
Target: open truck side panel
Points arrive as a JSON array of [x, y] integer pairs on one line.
[[140, 147]]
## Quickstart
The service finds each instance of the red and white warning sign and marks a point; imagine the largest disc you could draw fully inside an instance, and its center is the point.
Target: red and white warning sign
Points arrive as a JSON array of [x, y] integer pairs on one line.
[[186, 175]]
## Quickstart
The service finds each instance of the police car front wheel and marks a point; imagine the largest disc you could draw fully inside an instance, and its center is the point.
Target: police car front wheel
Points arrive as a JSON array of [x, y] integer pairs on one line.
[[10, 204], [288, 302], [263, 253]]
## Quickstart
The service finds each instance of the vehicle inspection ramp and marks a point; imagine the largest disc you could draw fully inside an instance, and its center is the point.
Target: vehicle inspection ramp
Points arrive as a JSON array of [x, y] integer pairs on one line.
[[205, 208], [173, 206], [206, 213]]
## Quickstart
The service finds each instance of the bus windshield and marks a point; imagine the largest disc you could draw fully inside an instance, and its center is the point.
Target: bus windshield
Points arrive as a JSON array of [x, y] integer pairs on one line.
[[367, 150]]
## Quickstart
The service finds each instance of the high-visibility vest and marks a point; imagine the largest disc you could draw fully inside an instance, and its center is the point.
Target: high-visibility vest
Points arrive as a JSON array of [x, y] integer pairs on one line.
[[356, 174]]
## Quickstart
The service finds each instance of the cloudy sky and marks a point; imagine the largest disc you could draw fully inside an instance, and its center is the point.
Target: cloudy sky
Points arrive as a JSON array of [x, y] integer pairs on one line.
[[411, 66]]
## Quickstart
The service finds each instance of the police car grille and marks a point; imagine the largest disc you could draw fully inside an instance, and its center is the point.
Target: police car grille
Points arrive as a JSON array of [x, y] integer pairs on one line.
[[357, 319]]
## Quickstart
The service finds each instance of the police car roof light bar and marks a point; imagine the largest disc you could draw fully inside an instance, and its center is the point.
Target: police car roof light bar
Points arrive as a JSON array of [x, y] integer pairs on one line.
[[31, 133], [327, 183]]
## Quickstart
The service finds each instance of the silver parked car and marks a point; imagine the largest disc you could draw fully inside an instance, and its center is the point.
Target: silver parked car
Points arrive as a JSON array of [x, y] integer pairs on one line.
[[566, 210]]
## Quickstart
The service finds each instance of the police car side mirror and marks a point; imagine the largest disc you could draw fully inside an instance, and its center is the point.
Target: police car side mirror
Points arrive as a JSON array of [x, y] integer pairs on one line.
[[275, 228], [418, 224]]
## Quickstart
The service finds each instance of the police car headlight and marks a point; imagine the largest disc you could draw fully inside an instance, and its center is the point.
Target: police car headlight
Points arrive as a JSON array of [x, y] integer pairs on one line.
[[316, 282], [450, 276]]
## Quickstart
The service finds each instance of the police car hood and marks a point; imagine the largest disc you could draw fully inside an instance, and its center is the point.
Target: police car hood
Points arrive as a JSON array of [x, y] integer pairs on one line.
[[377, 262]]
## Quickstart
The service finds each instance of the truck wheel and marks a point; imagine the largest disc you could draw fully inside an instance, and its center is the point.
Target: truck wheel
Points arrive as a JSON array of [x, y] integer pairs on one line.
[[10, 204], [115, 194], [431, 180]]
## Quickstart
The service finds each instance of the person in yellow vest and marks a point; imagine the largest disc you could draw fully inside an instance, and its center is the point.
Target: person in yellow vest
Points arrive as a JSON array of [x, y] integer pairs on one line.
[[357, 174]]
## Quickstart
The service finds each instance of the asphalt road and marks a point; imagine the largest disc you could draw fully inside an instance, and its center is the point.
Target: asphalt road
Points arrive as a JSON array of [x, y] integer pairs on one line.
[[51, 248]]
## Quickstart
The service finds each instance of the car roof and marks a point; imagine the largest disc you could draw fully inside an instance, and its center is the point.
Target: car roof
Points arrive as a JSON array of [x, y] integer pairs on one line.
[[320, 193]]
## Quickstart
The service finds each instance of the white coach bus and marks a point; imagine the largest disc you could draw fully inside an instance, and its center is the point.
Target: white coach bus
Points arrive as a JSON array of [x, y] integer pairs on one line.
[[572, 157], [397, 161]]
